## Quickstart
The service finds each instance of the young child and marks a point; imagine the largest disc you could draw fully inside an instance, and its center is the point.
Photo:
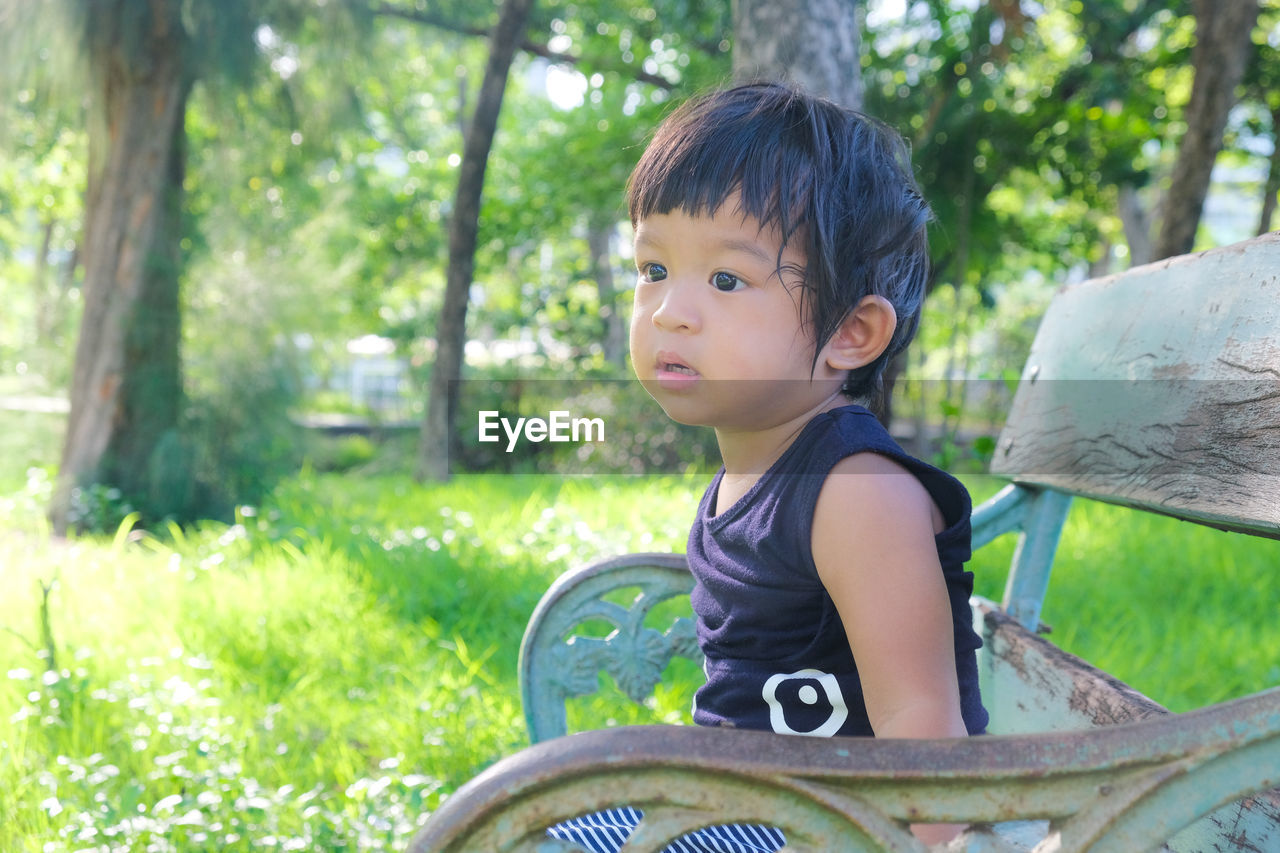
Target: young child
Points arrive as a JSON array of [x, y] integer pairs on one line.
[[781, 248]]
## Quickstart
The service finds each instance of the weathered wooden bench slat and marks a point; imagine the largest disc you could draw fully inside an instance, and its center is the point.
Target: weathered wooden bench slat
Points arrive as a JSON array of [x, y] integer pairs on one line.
[[1159, 388]]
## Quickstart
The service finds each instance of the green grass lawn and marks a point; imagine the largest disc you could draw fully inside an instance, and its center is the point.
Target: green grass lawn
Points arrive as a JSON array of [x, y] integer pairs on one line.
[[318, 674]]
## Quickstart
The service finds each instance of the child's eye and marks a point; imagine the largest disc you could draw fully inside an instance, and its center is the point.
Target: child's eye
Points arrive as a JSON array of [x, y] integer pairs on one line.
[[653, 272], [727, 282]]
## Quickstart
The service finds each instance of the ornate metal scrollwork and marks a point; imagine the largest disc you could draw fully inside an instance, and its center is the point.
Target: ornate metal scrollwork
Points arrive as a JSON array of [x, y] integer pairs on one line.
[[634, 656], [558, 661]]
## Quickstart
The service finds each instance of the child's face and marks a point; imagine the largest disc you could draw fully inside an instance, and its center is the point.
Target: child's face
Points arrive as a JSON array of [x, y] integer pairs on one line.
[[717, 337]]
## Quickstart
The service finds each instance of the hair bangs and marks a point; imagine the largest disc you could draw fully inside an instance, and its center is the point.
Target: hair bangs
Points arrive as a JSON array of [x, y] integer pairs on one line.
[[697, 161]]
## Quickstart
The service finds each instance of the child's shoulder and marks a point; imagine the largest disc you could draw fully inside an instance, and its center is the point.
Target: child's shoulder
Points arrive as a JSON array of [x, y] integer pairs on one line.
[[875, 487], [871, 472]]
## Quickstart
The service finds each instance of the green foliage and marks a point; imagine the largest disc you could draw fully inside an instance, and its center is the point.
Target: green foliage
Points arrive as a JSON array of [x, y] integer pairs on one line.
[[41, 178], [1026, 129], [341, 453], [28, 443], [98, 508], [240, 437], [1022, 128]]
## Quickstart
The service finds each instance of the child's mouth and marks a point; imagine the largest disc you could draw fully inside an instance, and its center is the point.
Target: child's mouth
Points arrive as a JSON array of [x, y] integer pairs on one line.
[[673, 373]]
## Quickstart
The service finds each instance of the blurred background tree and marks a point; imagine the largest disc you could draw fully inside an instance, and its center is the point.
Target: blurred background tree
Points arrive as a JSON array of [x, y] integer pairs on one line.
[[135, 65], [303, 174]]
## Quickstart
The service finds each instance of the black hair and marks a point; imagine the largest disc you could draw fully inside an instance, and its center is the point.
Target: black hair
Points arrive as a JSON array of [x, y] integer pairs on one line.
[[836, 180]]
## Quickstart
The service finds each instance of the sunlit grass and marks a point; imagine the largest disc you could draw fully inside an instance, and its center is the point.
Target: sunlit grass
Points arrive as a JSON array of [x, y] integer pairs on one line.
[[318, 674], [1183, 613], [311, 677], [27, 439]]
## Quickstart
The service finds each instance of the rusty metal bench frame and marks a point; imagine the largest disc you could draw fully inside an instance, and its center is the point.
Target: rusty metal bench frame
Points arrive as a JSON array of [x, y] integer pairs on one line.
[[1200, 440]]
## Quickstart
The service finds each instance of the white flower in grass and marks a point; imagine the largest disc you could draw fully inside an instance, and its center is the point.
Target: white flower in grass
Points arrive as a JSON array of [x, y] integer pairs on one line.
[[167, 803]]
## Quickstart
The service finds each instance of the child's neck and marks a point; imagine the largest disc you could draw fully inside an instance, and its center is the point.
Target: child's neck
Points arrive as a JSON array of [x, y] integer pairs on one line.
[[747, 454]]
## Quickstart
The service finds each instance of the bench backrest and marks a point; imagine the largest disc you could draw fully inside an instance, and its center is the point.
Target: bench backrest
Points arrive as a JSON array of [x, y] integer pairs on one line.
[[1159, 388]]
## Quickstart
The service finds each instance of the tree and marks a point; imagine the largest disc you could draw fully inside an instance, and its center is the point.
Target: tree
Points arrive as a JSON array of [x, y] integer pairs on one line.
[[464, 223], [126, 381], [814, 43], [1272, 187], [139, 64], [1263, 81], [1223, 47]]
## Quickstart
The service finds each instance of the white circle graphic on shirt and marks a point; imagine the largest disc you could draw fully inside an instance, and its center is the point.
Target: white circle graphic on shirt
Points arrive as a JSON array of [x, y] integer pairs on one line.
[[807, 694]]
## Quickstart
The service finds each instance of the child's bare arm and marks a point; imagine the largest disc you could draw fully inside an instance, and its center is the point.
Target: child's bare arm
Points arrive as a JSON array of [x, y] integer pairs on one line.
[[873, 543], [872, 538]]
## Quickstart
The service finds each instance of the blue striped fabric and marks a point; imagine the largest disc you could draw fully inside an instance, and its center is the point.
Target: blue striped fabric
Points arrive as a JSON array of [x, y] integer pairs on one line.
[[607, 831]]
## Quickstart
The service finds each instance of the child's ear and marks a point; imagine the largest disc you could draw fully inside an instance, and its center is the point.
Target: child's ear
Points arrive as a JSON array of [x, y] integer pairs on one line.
[[863, 335]]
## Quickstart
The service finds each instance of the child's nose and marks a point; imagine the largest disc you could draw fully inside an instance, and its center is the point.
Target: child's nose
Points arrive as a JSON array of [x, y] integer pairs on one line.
[[677, 309]]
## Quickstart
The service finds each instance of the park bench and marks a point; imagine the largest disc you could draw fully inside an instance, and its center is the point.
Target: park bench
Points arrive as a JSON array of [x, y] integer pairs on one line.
[[1157, 388]]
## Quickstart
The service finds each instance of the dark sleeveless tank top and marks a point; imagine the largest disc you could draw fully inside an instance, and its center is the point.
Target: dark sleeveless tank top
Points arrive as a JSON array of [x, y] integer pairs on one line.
[[776, 653]]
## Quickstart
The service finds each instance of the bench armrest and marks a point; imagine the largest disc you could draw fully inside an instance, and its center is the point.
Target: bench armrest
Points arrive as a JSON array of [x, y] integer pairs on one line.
[[1123, 788], [556, 664]]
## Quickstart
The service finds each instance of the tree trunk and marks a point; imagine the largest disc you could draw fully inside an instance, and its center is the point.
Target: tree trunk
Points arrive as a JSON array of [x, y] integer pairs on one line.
[[127, 347], [1137, 226], [1223, 30], [599, 239], [145, 460], [814, 43], [45, 296], [464, 225], [1273, 177]]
